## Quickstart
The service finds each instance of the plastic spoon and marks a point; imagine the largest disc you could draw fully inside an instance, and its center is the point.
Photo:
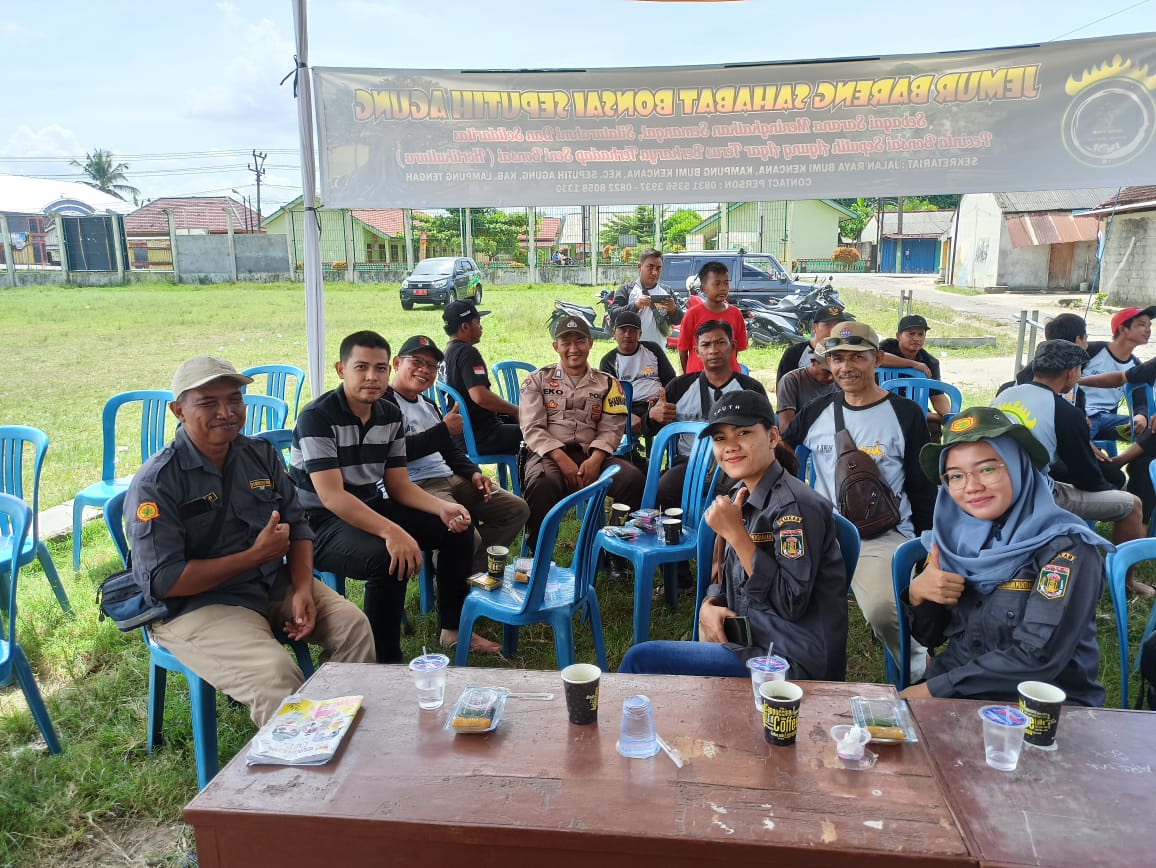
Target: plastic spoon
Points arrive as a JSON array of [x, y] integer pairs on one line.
[[675, 756]]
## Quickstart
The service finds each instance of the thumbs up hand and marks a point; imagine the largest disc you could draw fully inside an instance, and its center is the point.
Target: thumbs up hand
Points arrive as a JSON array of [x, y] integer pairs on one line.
[[935, 584], [453, 420], [272, 542], [662, 411]]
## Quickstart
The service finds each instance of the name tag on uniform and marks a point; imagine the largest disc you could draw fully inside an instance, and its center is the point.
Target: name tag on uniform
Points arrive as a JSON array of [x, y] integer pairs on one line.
[[258, 484]]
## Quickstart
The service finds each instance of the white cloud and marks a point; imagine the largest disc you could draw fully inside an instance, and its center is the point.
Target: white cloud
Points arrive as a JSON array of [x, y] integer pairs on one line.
[[54, 143]]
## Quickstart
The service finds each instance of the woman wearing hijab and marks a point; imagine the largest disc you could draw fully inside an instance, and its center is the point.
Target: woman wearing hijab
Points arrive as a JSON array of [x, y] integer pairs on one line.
[[1012, 580]]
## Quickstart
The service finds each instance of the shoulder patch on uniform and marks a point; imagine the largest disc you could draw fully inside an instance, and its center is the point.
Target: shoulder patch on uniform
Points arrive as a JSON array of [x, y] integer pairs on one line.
[[258, 484], [1065, 556], [615, 401], [147, 511], [783, 519], [791, 544], [1053, 581]]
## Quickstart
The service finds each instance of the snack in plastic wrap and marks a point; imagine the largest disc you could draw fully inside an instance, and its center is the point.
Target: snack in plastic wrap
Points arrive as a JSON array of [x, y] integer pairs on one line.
[[478, 709]]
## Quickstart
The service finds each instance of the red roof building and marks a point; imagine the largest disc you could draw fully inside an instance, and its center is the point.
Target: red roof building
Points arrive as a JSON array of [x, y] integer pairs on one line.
[[195, 215]]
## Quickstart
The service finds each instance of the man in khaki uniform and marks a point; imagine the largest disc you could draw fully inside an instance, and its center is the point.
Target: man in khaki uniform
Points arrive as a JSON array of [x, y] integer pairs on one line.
[[573, 418]]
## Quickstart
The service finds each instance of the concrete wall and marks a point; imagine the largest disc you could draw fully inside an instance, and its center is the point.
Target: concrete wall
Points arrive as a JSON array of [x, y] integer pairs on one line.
[[259, 254], [977, 248], [1128, 270]]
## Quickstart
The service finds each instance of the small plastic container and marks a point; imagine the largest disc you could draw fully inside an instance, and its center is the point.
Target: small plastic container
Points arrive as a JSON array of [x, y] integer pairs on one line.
[[851, 747], [478, 709]]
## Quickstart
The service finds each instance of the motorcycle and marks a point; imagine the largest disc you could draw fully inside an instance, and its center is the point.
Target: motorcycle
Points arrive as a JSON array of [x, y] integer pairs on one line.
[[600, 328], [766, 327], [801, 309]]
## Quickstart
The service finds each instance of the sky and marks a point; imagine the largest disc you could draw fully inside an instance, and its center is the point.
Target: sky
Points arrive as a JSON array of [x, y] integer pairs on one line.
[[183, 92]]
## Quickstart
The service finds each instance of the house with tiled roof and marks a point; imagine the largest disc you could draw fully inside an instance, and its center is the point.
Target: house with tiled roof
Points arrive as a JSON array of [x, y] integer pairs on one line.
[[1026, 240], [192, 215], [793, 231], [549, 230], [1128, 262]]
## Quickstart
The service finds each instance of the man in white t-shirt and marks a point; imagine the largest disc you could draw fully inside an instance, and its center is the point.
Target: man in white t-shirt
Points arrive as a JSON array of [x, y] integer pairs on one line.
[[1131, 328], [436, 459]]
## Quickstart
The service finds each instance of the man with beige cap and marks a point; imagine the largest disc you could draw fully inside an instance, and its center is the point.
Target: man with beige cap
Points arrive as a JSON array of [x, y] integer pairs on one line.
[[218, 535], [891, 430]]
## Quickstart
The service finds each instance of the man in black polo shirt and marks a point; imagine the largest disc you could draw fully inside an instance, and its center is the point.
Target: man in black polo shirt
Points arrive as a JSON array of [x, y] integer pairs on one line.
[[218, 533], [906, 350], [369, 521], [495, 421]]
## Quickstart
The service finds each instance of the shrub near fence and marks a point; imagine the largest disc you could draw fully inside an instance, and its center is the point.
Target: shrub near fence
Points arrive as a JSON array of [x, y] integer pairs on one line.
[[802, 266]]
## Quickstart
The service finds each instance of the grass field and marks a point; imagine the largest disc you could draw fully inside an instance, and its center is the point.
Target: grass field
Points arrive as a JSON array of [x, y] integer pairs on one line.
[[67, 350]]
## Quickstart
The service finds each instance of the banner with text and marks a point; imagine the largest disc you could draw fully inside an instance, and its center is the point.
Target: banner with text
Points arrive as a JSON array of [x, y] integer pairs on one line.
[[1066, 115]]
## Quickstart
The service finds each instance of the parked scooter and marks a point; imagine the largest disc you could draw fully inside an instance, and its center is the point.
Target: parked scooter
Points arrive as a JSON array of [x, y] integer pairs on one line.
[[799, 310], [600, 328], [765, 326]]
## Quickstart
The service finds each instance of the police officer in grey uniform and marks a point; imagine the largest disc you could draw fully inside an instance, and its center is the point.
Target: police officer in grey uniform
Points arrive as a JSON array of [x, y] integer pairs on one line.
[[1013, 580], [781, 567], [573, 418], [211, 519]]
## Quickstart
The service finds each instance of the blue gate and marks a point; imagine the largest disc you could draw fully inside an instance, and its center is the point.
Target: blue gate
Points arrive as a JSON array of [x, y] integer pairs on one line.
[[920, 255]]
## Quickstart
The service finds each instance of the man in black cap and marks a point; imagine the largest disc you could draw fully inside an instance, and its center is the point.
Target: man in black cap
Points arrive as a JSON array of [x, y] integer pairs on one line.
[[644, 365], [573, 417], [799, 355], [906, 350], [495, 421], [1080, 482], [781, 571], [437, 459]]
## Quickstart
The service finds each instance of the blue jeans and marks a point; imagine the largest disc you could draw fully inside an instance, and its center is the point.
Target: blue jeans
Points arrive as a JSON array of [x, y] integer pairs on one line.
[[1104, 425], [683, 658]]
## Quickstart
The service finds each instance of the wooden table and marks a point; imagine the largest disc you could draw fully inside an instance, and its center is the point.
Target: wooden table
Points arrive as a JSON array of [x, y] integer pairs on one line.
[[541, 792], [1089, 802]]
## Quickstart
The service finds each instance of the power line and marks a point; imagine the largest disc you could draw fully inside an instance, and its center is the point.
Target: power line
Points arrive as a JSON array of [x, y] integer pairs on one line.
[[1098, 20]]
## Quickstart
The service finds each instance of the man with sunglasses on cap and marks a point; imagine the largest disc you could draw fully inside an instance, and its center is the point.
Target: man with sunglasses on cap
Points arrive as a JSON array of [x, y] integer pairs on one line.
[[891, 430], [573, 418], [218, 533], [495, 421]]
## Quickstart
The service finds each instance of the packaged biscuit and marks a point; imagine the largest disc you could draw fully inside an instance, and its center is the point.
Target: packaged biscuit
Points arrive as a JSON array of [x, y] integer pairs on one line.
[[478, 709]]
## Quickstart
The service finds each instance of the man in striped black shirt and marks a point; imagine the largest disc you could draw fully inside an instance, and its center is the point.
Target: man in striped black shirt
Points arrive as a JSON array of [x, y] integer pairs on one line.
[[369, 521]]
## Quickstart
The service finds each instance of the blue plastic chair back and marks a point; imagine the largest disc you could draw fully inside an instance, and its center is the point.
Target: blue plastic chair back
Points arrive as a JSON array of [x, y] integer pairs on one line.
[[1130, 390], [629, 438], [882, 375], [704, 561], [918, 389], [903, 563], [277, 382], [15, 441], [509, 375], [154, 411], [1117, 565], [806, 471], [849, 544], [15, 521], [447, 396], [281, 438], [743, 369], [660, 450], [264, 413], [548, 597]]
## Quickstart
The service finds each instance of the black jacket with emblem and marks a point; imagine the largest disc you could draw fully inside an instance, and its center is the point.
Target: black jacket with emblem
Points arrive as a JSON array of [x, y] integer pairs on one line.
[[1040, 625], [796, 595]]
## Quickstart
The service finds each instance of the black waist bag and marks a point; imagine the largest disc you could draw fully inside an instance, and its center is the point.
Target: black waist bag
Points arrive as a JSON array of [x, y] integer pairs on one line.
[[862, 495], [122, 602]]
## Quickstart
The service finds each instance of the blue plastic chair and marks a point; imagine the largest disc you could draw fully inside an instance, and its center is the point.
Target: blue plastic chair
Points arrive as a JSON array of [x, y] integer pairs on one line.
[[15, 521], [903, 563], [554, 594], [806, 471], [918, 389], [1117, 564], [743, 369], [629, 439], [648, 552], [13, 440], [849, 545], [281, 438], [509, 375], [264, 413], [154, 405], [507, 464], [202, 695], [277, 382], [882, 375]]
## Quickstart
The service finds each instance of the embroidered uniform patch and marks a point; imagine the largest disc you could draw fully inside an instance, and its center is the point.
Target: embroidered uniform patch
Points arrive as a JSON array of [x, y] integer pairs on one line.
[[962, 424], [551, 405], [791, 544], [782, 520], [1053, 581], [147, 511], [615, 401], [258, 484], [479, 372]]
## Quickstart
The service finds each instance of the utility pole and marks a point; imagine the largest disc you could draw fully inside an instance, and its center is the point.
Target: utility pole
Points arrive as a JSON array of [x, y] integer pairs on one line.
[[258, 170]]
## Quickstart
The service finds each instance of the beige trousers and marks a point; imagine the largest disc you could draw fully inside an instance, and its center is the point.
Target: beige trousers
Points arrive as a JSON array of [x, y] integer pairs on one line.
[[233, 648], [875, 594]]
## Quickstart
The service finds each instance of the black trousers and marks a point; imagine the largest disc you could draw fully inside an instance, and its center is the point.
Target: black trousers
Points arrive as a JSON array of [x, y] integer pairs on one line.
[[502, 440], [351, 552]]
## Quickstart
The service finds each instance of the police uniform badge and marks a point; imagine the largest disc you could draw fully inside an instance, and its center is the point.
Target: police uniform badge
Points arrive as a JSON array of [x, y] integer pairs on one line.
[[1052, 583], [791, 544], [615, 401]]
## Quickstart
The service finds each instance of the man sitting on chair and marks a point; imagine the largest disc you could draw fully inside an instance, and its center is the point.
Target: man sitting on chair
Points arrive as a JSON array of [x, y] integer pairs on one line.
[[437, 463], [211, 519]]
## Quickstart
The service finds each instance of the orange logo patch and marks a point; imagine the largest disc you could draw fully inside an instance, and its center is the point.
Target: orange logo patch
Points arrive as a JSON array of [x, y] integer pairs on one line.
[[147, 511], [962, 424]]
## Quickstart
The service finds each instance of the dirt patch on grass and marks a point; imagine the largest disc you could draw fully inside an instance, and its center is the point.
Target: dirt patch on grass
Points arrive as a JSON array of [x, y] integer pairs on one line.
[[125, 843]]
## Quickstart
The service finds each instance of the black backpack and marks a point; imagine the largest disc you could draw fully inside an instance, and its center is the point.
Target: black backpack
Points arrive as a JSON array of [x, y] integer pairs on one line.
[[862, 495]]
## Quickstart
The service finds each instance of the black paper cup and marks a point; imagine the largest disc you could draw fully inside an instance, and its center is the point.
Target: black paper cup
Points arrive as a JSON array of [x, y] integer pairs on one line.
[[671, 531], [496, 557], [781, 700], [1041, 702], [619, 514], [581, 682]]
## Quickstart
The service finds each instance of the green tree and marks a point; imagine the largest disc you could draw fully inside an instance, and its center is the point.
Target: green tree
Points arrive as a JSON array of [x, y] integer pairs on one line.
[[675, 227], [852, 227], [640, 224], [493, 231], [107, 176]]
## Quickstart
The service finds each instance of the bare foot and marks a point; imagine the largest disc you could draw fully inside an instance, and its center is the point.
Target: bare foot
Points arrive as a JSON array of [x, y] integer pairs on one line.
[[1140, 589], [478, 644]]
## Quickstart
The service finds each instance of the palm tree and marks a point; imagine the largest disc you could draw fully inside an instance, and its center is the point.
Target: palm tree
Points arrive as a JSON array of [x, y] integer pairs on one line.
[[106, 176]]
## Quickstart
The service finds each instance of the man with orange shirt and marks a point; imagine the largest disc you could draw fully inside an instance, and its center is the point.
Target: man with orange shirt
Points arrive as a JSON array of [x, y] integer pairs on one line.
[[715, 281]]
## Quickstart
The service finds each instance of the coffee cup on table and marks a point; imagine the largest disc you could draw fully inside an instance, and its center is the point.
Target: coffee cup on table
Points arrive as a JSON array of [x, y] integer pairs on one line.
[[1041, 702], [581, 682], [781, 701], [496, 557]]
